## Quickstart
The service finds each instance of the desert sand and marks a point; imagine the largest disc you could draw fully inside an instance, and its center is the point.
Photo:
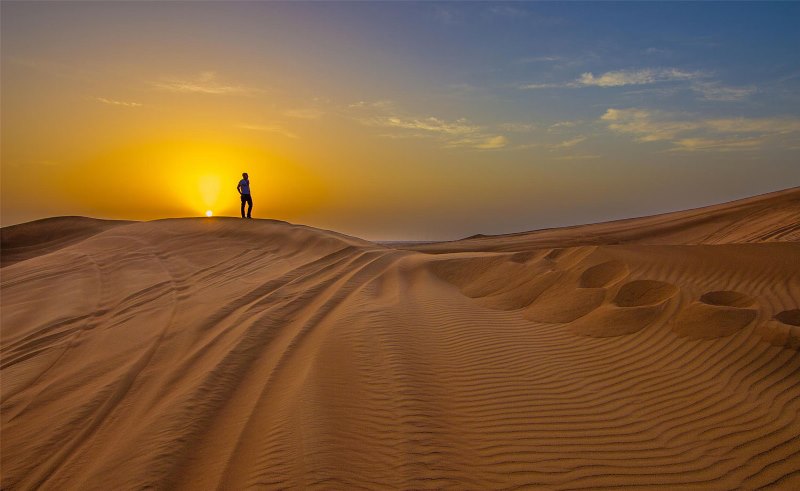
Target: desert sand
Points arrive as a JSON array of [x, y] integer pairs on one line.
[[229, 354]]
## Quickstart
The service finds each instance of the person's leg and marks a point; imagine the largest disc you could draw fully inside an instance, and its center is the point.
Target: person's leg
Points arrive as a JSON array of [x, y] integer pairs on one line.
[[243, 202], [249, 206]]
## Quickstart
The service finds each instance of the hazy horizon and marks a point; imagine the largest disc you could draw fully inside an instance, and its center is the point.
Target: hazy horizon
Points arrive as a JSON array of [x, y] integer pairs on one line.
[[396, 121]]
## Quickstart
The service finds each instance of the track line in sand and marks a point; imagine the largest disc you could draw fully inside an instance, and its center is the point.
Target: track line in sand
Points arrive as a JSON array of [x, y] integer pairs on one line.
[[298, 358]]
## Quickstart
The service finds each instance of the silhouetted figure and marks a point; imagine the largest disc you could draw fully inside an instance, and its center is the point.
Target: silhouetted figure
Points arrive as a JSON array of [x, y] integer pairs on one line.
[[244, 191]]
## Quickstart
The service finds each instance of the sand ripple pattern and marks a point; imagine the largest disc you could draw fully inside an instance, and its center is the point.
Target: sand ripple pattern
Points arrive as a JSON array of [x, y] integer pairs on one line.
[[229, 354]]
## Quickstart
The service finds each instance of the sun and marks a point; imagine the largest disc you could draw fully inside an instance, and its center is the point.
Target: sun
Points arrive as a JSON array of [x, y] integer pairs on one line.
[[209, 213]]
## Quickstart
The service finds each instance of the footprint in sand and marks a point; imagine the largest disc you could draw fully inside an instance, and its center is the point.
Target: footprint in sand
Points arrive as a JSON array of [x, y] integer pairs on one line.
[[783, 329], [636, 305], [716, 314], [642, 293], [728, 298], [565, 303], [603, 275], [790, 317]]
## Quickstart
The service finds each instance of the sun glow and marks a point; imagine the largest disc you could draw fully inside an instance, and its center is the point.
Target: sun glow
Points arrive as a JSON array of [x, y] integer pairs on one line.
[[187, 177], [209, 213]]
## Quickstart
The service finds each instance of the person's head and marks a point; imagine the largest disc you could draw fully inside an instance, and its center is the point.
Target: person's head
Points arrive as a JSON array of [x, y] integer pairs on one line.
[[244, 175]]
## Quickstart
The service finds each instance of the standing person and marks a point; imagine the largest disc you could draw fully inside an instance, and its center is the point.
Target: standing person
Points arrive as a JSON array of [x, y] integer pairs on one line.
[[244, 191]]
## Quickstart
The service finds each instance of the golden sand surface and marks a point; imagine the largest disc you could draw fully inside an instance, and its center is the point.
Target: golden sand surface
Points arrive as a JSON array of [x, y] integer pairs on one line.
[[220, 353]]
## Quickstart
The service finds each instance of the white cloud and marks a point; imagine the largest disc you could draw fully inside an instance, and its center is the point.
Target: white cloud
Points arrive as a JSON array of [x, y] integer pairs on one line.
[[113, 102], [384, 104], [646, 124], [482, 142], [492, 142], [539, 59], [431, 124], [269, 128], [542, 86], [634, 77], [452, 133], [781, 126], [657, 51], [713, 91], [690, 134], [722, 145], [205, 83], [568, 143], [562, 124], [706, 89], [621, 78], [562, 145]]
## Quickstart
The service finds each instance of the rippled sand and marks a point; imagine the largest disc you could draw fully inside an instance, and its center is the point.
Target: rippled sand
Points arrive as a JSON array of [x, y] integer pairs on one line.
[[224, 353]]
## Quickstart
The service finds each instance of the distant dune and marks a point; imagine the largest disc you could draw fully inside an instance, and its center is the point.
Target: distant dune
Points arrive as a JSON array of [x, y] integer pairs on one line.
[[229, 354], [770, 217]]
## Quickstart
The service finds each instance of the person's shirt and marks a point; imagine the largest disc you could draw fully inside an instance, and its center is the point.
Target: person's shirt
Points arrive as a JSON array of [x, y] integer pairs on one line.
[[244, 186]]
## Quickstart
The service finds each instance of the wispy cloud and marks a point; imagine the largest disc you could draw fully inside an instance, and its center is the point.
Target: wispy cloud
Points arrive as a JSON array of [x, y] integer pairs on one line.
[[431, 124], [568, 143], [384, 104], [647, 125], [205, 83], [452, 133], [714, 91], [709, 90], [269, 128], [113, 102], [561, 125], [491, 142], [657, 51], [777, 126], [538, 59], [635, 77], [692, 134], [480, 142], [543, 86], [621, 78], [722, 145], [553, 147]]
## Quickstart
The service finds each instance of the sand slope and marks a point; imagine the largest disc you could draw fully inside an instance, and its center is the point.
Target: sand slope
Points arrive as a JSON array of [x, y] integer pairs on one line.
[[770, 217], [230, 354], [31, 239]]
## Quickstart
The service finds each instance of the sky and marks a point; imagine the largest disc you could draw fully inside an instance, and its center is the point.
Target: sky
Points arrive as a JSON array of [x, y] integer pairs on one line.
[[396, 121]]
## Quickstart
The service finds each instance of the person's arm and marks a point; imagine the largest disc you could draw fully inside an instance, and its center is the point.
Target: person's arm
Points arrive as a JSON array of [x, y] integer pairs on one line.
[[239, 188]]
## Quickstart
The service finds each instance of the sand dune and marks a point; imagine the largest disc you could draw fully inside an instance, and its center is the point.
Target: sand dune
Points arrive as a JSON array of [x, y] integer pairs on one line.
[[27, 240], [229, 354], [766, 218]]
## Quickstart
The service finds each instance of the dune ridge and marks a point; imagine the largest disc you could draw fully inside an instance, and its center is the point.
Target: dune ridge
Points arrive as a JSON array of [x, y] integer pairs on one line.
[[770, 217], [31, 239], [229, 354]]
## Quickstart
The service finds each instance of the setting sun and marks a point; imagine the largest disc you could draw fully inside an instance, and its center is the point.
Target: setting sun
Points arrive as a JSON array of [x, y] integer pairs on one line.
[[209, 213]]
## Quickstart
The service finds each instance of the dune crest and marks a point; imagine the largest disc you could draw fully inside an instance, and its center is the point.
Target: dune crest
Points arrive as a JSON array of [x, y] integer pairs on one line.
[[223, 353], [31, 239]]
